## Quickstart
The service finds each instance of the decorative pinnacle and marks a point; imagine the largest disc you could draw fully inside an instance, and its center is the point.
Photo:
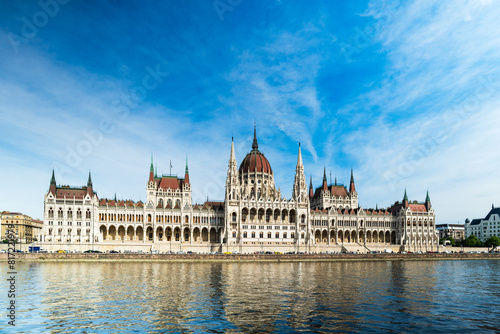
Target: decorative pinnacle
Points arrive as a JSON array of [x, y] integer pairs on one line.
[[405, 198], [89, 182]]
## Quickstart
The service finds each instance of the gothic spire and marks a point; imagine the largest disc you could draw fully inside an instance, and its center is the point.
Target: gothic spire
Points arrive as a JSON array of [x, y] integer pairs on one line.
[[89, 182], [299, 158], [232, 157], [53, 179], [186, 174], [352, 187], [325, 184], [427, 198], [311, 193], [255, 145]]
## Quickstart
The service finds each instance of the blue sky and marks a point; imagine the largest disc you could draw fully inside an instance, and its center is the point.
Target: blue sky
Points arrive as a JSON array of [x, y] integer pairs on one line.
[[405, 93]]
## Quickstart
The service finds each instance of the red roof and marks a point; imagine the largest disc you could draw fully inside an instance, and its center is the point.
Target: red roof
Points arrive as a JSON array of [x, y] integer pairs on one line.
[[78, 193], [338, 191], [255, 162], [418, 208], [170, 182]]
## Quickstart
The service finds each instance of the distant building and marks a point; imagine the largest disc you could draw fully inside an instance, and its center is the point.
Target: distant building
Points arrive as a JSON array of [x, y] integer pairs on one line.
[[484, 228], [26, 229], [254, 216], [456, 231]]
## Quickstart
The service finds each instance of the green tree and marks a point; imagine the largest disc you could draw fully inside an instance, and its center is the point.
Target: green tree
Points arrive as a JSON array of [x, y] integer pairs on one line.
[[493, 241], [472, 241], [452, 241]]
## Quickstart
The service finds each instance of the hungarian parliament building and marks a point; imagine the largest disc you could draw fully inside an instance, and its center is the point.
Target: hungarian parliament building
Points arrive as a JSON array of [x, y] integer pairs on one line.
[[253, 217]]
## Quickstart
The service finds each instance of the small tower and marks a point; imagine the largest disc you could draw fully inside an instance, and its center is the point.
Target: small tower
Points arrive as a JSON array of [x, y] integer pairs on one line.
[[325, 183], [151, 171], [352, 187], [186, 173], [428, 205], [90, 190], [405, 201], [52, 188], [299, 185], [311, 191]]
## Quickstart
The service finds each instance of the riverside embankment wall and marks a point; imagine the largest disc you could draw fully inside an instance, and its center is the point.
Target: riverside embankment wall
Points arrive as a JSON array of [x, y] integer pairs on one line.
[[41, 257]]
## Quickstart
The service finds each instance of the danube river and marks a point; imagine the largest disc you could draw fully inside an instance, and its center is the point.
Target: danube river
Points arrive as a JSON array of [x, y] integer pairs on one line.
[[159, 297]]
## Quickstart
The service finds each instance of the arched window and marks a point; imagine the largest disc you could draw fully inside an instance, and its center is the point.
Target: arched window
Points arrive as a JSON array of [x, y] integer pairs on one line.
[[60, 213], [149, 218], [234, 234], [253, 234], [277, 235], [292, 235], [261, 235], [178, 203], [87, 214], [70, 213], [303, 219], [269, 235], [233, 217], [79, 213], [244, 234], [284, 234], [51, 213], [186, 219], [50, 231]]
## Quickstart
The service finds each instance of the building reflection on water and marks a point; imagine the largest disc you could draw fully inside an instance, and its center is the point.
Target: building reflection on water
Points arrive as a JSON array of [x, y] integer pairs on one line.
[[234, 297]]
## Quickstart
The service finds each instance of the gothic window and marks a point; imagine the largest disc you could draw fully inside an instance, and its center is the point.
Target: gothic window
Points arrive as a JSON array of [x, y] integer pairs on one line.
[[51, 213], [244, 234], [261, 235], [234, 234], [269, 235], [178, 203], [70, 213], [79, 213], [253, 234], [233, 217], [292, 236], [60, 213], [87, 214], [284, 235]]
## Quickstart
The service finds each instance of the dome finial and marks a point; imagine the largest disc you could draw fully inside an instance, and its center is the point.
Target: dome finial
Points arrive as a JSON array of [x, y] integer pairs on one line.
[[255, 145]]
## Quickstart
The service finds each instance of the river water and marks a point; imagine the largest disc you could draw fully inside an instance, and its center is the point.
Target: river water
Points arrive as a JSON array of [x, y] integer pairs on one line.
[[312, 297]]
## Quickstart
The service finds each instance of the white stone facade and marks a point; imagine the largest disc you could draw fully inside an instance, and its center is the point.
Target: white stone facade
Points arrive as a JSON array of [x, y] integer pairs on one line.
[[254, 216]]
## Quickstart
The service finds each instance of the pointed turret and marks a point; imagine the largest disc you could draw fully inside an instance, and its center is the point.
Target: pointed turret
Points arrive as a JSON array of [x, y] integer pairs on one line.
[[405, 200], [311, 192], [325, 184], [232, 157], [90, 190], [52, 187], [299, 158], [352, 187], [255, 145], [428, 201], [151, 170], [186, 174], [299, 185]]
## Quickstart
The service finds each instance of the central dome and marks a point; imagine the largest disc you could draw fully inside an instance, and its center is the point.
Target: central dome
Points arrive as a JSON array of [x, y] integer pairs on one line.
[[255, 161]]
